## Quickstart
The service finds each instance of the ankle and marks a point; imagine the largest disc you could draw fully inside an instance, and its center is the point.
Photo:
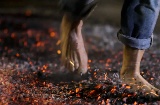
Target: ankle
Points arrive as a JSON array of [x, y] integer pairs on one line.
[[130, 70], [79, 25]]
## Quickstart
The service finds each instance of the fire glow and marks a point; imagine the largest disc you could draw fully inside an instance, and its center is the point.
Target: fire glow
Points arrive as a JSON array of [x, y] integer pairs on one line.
[[31, 57]]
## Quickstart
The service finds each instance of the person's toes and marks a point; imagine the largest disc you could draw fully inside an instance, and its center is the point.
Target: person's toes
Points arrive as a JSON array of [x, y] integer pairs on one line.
[[138, 83]]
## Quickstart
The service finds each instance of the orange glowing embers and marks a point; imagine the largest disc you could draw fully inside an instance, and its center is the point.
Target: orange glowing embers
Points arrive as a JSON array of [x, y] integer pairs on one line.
[[103, 102], [30, 33], [152, 79], [58, 51], [25, 43], [95, 74], [53, 34], [135, 103], [5, 31], [89, 61], [108, 102], [28, 12], [107, 64], [128, 87], [113, 90], [99, 97], [77, 92], [44, 68], [43, 71], [123, 85], [13, 35], [108, 60], [92, 92], [40, 44], [17, 55], [89, 67], [98, 86]]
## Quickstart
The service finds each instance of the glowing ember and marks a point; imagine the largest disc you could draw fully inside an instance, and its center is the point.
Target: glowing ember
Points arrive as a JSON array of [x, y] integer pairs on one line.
[[58, 51], [98, 86], [128, 87], [89, 61], [52, 34], [17, 55], [28, 12]]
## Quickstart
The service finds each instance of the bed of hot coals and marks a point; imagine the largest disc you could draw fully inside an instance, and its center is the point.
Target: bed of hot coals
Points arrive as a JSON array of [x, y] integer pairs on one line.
[[31, 72]]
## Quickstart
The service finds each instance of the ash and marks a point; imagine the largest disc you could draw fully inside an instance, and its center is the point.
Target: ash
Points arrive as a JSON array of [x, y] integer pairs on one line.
[[31, 72]]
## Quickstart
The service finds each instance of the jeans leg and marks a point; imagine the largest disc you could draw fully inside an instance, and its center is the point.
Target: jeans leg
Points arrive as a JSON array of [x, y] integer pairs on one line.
[[138, 19]]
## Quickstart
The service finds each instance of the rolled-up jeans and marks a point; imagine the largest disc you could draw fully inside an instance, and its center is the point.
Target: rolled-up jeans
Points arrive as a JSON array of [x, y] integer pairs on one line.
[[138, 20]]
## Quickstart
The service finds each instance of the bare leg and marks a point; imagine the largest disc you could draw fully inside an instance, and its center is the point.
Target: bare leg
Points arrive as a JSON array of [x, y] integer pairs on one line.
[[79, 49], [74, 55]]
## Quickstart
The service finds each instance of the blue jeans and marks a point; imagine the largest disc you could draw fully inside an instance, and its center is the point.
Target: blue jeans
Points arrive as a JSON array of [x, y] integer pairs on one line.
[[138, 19]]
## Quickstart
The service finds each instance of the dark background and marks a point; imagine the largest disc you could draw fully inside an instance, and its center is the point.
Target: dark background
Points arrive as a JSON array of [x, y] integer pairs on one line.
[[107, 11]]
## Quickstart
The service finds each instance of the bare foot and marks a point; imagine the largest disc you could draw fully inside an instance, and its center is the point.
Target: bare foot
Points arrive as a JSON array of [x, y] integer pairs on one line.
[[137, 82], [73, 56], [80, 57]]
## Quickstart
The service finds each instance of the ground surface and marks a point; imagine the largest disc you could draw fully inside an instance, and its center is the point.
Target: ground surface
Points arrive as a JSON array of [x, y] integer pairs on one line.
[[31, 72]]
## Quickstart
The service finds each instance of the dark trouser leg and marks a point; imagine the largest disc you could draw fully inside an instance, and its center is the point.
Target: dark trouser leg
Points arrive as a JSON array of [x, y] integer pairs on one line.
[[138, 19]]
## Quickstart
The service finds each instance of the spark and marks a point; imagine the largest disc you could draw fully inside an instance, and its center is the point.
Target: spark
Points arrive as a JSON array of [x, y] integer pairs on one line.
[[58, 51], [52, 34], [28, 12]]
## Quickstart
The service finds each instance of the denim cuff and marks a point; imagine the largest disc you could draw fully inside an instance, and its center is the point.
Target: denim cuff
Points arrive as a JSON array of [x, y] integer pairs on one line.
[[134, 42]]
